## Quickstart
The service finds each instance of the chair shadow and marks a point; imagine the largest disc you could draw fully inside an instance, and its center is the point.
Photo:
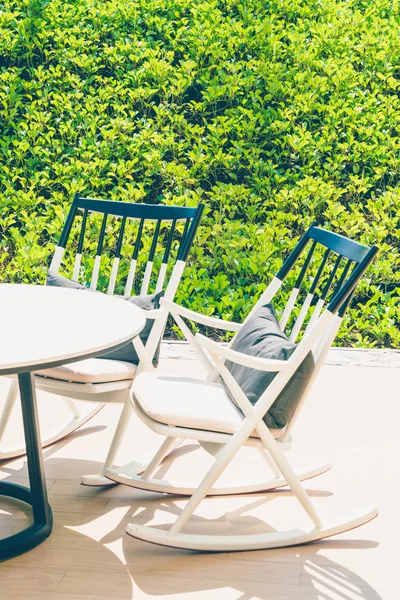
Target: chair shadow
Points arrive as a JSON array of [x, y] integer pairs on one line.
[[186, 572], [56, 446], [99, 544]]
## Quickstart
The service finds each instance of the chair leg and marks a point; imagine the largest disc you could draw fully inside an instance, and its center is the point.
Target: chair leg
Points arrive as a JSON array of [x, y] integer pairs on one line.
[[224, 458], [270, 462], [52, 436], [101, 479], [8, 408], [168, 445], [225, 543], [289, 474], [72, 407], [112, 475]]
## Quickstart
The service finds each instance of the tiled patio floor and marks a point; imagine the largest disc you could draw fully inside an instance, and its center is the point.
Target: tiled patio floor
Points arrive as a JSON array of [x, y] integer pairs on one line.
[[352, 417]]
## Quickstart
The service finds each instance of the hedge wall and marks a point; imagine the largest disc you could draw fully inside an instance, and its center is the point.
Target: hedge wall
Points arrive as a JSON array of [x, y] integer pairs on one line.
[[274, 113]]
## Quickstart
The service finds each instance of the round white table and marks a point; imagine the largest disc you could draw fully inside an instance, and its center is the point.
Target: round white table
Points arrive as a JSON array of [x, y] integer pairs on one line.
[[44, 327]]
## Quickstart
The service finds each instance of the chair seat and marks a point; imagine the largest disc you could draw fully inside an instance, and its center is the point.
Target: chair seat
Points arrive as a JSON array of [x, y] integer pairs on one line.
[[189, 402], [92, 370]]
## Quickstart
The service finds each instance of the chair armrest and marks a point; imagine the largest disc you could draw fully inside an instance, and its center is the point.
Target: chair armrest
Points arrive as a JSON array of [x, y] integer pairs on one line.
[[253, 362], [156, 313], [198, 318]]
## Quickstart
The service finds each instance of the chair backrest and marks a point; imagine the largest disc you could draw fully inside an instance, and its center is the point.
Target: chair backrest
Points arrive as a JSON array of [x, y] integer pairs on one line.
[[127, 247], [327, 277]]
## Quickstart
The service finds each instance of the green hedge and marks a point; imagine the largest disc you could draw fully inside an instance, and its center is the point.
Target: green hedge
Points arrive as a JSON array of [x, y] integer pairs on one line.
[[274, 113]]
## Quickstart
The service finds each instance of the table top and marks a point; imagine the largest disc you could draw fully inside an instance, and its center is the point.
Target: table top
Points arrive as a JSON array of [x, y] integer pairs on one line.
[[44, 326]]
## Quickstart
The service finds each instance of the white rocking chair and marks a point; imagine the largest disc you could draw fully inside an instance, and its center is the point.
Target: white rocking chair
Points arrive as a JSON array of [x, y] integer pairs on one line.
[[179, 407], [164, 235]]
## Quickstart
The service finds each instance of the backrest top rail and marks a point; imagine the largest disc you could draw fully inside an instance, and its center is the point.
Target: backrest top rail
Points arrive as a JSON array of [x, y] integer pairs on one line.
[[338, 243], [152, 212]]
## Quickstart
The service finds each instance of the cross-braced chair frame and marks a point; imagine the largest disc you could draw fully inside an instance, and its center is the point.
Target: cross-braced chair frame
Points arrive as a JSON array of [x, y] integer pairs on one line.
[[172, 230], [318, 336]]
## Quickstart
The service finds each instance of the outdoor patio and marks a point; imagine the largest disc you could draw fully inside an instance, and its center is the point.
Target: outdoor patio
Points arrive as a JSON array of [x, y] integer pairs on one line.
[[351, 417]]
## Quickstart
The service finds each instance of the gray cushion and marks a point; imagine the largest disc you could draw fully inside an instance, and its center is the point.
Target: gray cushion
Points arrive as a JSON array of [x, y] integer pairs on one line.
[[261, 336], [57, 280], [145, 302]]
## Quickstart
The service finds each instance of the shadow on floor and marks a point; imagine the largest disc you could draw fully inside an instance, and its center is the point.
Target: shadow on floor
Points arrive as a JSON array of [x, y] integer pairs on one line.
[[96, 557]]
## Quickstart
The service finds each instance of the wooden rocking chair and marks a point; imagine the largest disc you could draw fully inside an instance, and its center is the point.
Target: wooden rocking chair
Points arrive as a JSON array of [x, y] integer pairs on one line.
[[218, 414], [137, 247]]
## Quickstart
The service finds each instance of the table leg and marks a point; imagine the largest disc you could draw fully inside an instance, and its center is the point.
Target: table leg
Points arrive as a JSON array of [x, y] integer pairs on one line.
[[37, 495]]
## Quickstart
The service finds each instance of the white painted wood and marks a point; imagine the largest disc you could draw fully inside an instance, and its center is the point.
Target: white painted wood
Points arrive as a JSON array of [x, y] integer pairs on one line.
[[174, 280], [88, 540], [199, 435], [253, 362], [113, 276], [118, 436], [223, 460], [76, 324], [8, 408], [300, 319], [107, 392], [288, 473], [161, 277], [101, 479], [97, 480], [154, 313], [59, 325], [228, 543], [131, 278], [317, 311], [288, 308], [179, 311], [187, 488], [176, 309], [320, 354], [95, 274], [52, 435], [201, 355], [146, 278], [268, 459], [73, 408], [166, 447], [266, 296], [254, 420], [57, 258], [132, 469], [115, 391], [145, 355], [160, 322], [77, 266], [319, 338]]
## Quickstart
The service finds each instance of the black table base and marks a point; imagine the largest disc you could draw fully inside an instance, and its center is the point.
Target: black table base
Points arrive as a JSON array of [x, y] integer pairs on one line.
[[36, 496]]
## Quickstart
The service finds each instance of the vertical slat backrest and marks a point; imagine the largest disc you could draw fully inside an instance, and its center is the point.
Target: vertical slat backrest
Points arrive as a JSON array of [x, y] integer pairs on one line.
[[326, 269], [329, 274], [149, 264], [78, 257], [97, 260], [164, 264], [115, 264], [295, 292], [133, 263], [139, 246]]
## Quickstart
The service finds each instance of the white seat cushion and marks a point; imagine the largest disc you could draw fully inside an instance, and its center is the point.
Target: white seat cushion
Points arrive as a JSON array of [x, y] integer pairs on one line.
[[92, 370], [187, 402]]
